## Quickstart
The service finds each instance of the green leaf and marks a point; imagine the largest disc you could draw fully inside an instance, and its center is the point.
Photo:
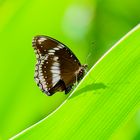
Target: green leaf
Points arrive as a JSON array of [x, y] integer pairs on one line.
[[105, 99]]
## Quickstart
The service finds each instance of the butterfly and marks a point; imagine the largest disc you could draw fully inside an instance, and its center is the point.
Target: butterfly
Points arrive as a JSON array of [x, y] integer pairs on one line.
[[57, 68]]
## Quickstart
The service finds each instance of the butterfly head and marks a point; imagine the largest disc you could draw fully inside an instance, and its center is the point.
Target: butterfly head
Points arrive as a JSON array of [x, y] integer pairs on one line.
[[84, 66], [81, 72]]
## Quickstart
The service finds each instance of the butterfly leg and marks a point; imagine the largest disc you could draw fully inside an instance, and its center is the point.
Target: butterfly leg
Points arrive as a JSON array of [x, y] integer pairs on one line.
[[68, 89]]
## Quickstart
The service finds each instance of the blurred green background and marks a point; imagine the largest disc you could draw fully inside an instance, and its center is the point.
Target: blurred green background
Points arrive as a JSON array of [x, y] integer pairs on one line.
[[88, 27]]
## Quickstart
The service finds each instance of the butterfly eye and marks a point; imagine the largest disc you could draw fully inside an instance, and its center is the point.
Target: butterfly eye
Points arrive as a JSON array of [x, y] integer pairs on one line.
[[57, 67]]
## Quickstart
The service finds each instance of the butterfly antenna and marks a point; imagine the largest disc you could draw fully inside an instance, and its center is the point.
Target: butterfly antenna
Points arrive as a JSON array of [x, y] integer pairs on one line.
[[90, 50], [86, 71], [88, 57]]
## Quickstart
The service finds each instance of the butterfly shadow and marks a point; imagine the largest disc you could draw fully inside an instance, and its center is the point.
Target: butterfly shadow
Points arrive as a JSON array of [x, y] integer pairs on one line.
[[91, 87]]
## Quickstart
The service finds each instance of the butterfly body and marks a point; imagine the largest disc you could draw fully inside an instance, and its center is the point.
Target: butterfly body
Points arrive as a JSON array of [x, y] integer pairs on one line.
[[57, 68]]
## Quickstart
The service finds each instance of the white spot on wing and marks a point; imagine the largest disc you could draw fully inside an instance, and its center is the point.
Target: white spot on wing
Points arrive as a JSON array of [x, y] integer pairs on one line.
[[37, 56], [55, 70], [42, 62], [56, 49], [56, 64], [40, 40], [55, 75], [55, 58], [60, 46], [51, 51], [37, 80]]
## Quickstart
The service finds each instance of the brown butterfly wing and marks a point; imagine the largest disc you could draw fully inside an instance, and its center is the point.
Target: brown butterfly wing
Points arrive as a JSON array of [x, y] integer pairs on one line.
[[56, 65]]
